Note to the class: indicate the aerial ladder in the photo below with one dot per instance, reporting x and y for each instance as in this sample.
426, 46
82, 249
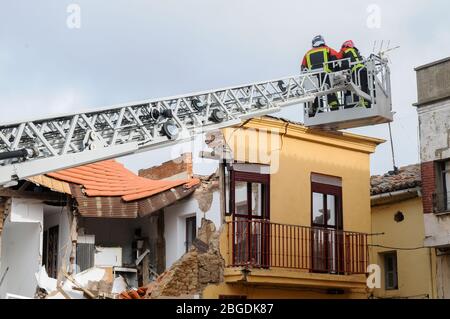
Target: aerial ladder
39, 146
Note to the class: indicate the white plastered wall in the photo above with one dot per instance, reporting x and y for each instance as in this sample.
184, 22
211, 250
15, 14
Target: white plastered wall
175, 224
21, 248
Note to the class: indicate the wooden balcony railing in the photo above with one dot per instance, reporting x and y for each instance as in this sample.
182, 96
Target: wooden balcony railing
262, 244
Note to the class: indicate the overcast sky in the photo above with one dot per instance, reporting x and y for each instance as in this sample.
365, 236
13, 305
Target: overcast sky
133, 50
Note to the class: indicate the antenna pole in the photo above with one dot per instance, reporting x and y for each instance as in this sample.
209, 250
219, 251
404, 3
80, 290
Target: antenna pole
392, 150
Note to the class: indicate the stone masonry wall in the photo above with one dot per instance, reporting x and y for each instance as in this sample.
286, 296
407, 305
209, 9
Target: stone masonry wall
201, 266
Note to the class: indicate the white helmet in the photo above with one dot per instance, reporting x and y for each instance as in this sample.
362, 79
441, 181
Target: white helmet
318, 41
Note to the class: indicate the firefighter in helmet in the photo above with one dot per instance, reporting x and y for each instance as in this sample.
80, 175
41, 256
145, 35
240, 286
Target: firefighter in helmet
321, 56
354, 61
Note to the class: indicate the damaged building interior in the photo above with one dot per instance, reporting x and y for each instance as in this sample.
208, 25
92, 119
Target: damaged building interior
99, 216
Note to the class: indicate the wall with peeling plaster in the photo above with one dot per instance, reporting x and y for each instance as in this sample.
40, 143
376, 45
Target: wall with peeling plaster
434, 125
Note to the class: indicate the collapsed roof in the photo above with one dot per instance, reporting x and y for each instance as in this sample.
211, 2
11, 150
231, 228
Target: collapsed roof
107, 189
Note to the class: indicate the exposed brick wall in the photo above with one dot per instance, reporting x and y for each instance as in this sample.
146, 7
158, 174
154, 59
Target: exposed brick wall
428, 186
180, 165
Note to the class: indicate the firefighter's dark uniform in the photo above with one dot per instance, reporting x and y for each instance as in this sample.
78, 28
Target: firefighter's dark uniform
357, 67
318, 58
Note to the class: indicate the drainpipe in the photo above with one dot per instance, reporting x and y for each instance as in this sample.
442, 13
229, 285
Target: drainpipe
433, 294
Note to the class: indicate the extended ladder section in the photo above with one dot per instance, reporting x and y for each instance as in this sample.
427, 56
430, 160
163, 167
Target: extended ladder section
40, 146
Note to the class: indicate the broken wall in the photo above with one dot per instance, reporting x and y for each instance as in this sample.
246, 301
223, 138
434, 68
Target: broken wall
179, 168
205, 203
175, 220
202, 265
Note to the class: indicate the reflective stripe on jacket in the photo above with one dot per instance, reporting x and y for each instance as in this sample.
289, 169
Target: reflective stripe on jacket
318, 58
355, 57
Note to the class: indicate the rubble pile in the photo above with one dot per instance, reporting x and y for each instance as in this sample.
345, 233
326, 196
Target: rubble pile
201, 266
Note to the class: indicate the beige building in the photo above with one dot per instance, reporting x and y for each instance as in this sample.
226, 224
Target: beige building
407, 267
297, 217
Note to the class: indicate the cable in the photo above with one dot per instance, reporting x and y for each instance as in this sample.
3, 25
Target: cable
397, 248
237, 128
376, 234
283, 135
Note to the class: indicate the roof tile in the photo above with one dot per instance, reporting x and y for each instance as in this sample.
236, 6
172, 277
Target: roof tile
406, 178
110, 178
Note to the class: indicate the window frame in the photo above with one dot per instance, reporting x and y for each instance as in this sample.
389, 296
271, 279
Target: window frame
441, 201
337, 264
445, 173
385, 256
330, 190
250, 178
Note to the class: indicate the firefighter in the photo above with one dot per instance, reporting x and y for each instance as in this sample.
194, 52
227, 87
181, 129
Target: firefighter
320, 57
359, 72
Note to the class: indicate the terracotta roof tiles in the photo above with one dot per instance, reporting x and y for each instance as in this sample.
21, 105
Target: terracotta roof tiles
110, 178
406, 178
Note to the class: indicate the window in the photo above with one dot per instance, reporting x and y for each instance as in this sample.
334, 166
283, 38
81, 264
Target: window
442, 195
250, 195
250, 208
191, 231
390, 271
52, 251
446, 184
326, 220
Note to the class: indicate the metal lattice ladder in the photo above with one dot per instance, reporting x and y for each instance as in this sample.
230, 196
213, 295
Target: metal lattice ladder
39, 146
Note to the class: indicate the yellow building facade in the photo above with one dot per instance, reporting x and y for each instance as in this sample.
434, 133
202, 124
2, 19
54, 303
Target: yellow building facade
297, 213
407, 268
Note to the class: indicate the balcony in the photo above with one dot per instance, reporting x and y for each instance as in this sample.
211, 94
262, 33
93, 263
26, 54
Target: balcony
263, 252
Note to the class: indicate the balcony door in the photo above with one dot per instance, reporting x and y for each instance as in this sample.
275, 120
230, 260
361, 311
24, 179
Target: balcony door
326, 234
249, 203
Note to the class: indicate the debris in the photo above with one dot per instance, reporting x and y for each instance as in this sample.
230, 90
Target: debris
4, 275
142, 256
40, 293
119, 285
44, 281
134, 294
13, 296
87, 292
187, 277
92, 283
